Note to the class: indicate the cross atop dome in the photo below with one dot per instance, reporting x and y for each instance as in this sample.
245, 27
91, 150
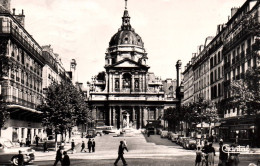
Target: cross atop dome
125, 4
126, 19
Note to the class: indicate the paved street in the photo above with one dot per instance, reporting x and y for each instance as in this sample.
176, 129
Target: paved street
142, 151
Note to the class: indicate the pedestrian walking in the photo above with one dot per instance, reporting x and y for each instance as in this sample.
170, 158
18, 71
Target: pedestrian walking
27, 143
20, 158
83, 146
72, 149
37, 140
223, 157
211, 154
205, 150
58, 156
93, 144
198, 157
45, 146
89, 145
66, 159
121, 153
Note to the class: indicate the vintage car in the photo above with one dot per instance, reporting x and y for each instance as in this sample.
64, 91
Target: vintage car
164, 134
174, 137
169, 134
190, 143
9, 152
181, 140
158, 131
108, 130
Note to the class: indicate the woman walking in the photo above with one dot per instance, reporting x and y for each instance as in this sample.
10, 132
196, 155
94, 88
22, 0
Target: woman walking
198, 157
211, 154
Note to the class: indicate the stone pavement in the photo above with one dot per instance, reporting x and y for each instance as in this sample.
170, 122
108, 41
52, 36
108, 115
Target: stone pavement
142, 150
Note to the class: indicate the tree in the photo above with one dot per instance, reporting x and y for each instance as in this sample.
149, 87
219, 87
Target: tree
5, 65
246, 92
62, 108
4, 114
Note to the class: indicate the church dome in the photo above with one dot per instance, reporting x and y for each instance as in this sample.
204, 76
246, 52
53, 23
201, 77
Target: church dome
126, 34
126, 37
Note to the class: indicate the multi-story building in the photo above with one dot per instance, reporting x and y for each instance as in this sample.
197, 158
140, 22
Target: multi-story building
188, 87
53, 70
238, 58
126, 94
22, 86
32, 68
216, 66
201, 72
222, 59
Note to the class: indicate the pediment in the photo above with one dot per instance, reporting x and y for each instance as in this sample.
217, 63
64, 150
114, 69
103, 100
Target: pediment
127, 64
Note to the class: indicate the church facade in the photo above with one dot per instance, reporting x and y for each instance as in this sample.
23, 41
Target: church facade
126, 94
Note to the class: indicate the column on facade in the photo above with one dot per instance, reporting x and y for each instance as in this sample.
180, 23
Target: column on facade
114, 115
133, 117
140, 83
156, 113
106, 81
120, 82
110, 82
140, 117
121, 117
94, 112
144, 82
110, 116
133, 82
145, 115
113, 82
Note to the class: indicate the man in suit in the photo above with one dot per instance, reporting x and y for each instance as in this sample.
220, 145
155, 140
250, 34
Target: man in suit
58, 156
83, 147
121, 153
93, 145
89, 145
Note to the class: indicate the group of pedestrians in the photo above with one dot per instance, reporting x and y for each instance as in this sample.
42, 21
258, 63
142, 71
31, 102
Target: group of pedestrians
62, 157
205, 156
91, 146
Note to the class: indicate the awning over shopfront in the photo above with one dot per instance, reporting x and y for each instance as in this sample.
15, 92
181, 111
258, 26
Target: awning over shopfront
23, 113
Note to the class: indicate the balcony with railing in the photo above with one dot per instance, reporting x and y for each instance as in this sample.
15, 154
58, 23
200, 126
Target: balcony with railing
21, 40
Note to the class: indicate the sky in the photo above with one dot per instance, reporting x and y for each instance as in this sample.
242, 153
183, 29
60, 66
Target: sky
81, 29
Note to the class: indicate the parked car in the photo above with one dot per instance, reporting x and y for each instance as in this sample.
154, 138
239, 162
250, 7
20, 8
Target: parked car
169, 134
190, 143
109, 130
9, 152
150, 130
158, 131
181, 140
174, 137
164, 134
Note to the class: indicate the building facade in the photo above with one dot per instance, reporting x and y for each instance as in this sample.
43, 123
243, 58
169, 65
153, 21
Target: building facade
21, 88
32, 68
223, 59
127, 94
238, 57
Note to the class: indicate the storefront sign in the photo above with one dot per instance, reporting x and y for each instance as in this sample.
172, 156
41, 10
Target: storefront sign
238, 149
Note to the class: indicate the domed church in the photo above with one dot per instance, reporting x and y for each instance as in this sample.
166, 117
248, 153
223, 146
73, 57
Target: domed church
126, 95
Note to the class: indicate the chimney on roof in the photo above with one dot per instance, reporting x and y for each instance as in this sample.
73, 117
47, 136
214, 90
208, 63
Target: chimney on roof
233, 11
6, 4
20, 17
